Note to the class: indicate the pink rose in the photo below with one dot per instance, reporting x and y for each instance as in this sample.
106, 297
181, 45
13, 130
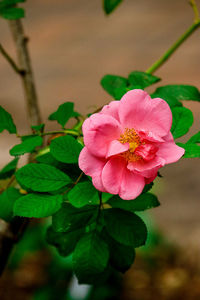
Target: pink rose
127, 142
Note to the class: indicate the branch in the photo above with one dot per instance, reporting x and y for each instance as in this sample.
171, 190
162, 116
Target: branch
20, 41
10, 61
196, 11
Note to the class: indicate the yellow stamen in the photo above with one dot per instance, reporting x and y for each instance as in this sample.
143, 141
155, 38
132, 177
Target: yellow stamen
130, 136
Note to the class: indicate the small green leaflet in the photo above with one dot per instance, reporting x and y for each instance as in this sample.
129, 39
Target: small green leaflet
90, 256
38, 128
65, 149
182, 121
9, 11
110, 5
194, 139
64, 112
7, 200
141, 79
27, 146
9, 169
125, 227
116, 86
41, 177
37, 205
82, 194
173, 94
191, 150
143, 202
69, 218
64, 242
6, 121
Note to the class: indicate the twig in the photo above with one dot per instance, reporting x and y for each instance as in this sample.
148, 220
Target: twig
196, 11
10, 61
20, 41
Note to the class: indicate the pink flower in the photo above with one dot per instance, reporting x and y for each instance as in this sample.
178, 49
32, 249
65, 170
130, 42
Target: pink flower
127, 142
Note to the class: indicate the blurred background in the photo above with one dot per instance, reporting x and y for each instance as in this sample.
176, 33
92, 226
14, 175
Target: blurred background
73, 45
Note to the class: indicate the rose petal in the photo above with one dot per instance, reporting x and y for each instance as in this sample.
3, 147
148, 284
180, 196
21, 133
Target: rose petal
116, 147
146, 168
98, 131
170, 152
93, 167
137, 110
111, 109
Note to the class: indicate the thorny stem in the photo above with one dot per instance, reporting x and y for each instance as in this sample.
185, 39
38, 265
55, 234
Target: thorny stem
179, 42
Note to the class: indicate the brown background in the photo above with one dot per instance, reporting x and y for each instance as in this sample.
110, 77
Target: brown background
73, 44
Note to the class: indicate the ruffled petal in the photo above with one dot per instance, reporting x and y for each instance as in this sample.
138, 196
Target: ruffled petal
146, 168
93, 167
170, 152
98, 131
116, 147
112, 174
131, 185
111, 109
137, 110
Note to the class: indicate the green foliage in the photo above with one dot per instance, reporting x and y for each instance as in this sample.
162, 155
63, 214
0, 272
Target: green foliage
191, 150
69, 218
110, 5
7, 200
182, 121
148, 187
82, 194
194, 139
125, 227
9, 169
6, 121
64, 242
121, 256
38, 128
142, 202
142, 79
172, 94
117, 86
41, 178
90, 257
64, 112
9, 11
37, 205
65, 149
27, 146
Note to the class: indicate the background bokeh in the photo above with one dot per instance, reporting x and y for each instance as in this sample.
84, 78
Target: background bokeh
73, 44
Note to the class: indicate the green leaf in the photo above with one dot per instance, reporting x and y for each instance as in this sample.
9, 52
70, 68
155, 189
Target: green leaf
37, 205
182, 121
191, 150
69, 218
41, 177
64, 112
142, 79
6, 121
110, 5
82, 194
125, 227
38, 128
7, 200
65, 149
122, 257
147, 187
64, 242
27, 146
9, 169
143, 202
173, 93
114, 84
90, 256
12, 13
194, 139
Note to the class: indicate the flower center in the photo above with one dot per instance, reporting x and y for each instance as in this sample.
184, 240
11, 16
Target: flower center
130, 136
